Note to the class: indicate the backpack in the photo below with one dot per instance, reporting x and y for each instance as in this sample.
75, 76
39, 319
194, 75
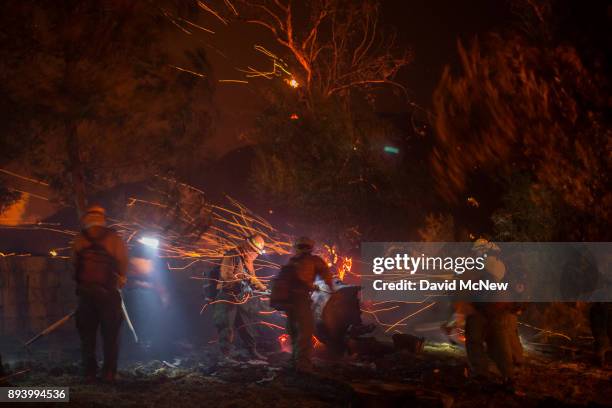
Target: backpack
211, 279
281, 285
95, 265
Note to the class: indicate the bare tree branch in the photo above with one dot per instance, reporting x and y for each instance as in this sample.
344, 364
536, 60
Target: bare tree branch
338, 45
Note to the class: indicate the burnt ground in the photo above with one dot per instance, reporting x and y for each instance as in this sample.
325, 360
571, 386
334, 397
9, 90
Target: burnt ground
436, 377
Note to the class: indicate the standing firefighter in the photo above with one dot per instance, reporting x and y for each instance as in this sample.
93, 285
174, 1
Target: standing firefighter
101, 260
232, 311
303, 268
491, 327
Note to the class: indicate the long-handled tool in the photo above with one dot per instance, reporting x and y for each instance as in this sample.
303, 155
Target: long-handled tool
127, 320
51, 328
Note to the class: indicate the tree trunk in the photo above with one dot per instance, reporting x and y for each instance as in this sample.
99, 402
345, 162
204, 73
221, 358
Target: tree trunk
76, 169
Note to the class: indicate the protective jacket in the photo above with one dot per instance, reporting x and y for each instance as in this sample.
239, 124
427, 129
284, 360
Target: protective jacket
307, 267
234, 270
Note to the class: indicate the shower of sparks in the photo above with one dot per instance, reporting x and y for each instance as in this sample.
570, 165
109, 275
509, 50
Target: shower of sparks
279, 67
194, 250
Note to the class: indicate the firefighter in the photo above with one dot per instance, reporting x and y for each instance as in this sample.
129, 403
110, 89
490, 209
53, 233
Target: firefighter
491, 327
300, 318
146, 298
100, 261
232, 311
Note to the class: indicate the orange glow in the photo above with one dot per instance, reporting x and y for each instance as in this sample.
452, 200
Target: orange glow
293, 83
285, 343
345, 267
294, 116
343, 264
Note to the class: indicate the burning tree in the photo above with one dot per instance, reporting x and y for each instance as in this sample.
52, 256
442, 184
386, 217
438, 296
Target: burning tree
338, 45
93, 95
530, 105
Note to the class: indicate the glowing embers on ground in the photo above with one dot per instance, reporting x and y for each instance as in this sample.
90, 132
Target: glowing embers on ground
284, 340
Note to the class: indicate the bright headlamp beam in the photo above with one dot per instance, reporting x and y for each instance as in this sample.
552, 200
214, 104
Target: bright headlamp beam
150, 242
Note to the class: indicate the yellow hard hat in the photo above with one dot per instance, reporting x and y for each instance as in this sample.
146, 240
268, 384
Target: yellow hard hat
256, 243
482, 244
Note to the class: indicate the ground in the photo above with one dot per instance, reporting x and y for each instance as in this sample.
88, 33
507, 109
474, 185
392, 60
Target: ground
436, 377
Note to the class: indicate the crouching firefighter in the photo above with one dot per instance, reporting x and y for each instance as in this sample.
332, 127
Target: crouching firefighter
232, 311
291, 293
100, 260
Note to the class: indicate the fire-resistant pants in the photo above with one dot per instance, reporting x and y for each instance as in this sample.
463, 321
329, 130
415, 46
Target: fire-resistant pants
99, 308
300, 326
475, 333
230, 315
499, 333
500, 338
